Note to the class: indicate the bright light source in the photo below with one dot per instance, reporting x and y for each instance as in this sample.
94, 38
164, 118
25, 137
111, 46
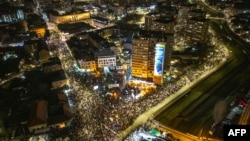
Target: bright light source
95, 87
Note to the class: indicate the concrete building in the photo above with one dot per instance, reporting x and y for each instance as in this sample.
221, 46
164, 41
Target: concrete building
36, 24
38, 115
11, 14
197, 29
87, 63
58, 79
142, 57
43, 115
165, 24
143, 53
69, 17
100, 22
105, 58
52, 65
157, 21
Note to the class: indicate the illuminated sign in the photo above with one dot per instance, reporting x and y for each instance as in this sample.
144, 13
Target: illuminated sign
159, 59
159, 62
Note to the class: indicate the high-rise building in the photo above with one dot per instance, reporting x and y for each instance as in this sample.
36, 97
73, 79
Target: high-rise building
169, 48
161, 21
143, 56
196, 29
197, 26
166, 25
143, 53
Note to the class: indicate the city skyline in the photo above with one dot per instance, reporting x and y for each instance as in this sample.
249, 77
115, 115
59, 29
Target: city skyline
84, 70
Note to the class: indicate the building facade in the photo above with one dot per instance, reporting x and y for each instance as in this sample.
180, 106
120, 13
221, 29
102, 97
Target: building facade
88, 65
143, 57
144, 51
73, 17
106, 61
156, 22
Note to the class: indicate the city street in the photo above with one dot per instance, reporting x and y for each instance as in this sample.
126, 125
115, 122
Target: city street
117, 120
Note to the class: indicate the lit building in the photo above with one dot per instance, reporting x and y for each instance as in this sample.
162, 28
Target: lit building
106, 58
100, 22
149, 18
88, 64
196, 26
9, 14
143, 53
158, 22
197, 29
191, 25
70, 17
11, 42
37, 25
39, 30
109, 31
165, 25
92, 52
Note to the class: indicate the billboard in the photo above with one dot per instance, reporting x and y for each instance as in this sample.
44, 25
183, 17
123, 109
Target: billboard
159, 63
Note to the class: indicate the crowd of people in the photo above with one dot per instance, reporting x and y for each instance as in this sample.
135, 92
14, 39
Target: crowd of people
99, 118
150, 130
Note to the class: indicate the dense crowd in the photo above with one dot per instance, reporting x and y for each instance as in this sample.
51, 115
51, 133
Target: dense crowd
101, 118
98, 118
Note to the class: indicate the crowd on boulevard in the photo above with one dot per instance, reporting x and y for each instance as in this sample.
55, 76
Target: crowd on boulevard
101, 118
